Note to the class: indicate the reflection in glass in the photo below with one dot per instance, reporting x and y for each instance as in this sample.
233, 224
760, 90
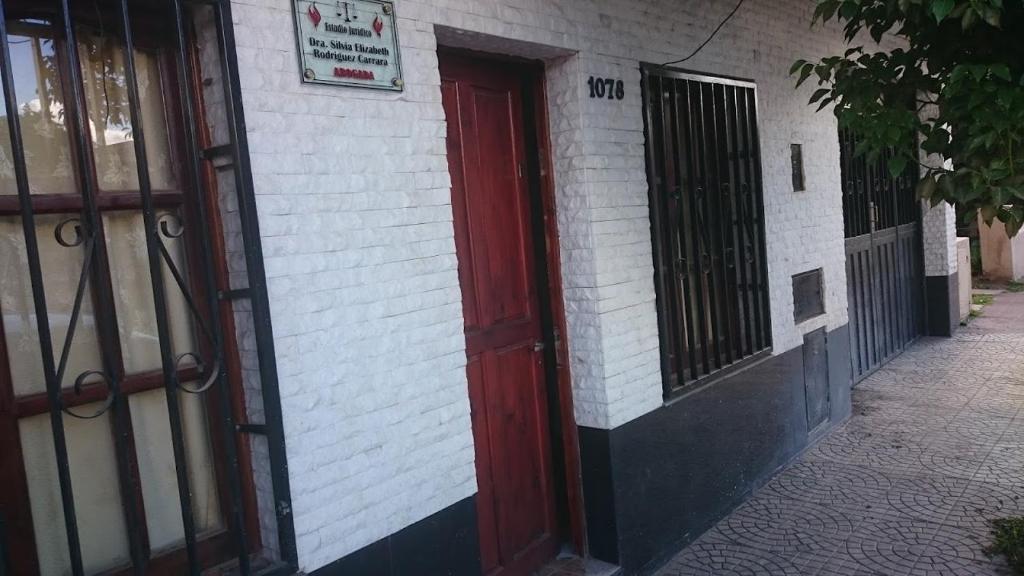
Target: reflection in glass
37, 89
106, 95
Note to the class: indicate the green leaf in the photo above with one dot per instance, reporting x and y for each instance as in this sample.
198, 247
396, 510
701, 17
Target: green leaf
941, 9
926, 187
796, 66
818, 95
945, 183
970, 17
1013, 226
988, 214
805, 72
896, 165
991, 16
848, 10
1001, 71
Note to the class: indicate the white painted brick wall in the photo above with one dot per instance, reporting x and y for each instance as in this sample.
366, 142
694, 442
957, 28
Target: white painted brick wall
353, 195
938, 231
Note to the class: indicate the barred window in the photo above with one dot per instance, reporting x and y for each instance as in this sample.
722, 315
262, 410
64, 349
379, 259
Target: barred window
707, 222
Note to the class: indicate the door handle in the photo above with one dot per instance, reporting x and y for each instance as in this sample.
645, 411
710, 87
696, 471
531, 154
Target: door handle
538, 345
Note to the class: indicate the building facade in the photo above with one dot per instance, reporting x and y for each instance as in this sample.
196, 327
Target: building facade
545, 288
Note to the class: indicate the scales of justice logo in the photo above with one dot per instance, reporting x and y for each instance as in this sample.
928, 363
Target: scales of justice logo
342, 11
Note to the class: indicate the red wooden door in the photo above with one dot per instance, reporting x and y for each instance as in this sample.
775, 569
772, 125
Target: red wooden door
494, 243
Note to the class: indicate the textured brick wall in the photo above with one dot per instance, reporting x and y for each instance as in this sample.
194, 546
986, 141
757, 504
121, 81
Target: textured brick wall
353, 195
939, 237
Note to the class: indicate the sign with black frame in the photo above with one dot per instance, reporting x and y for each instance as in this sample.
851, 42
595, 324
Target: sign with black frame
348, 43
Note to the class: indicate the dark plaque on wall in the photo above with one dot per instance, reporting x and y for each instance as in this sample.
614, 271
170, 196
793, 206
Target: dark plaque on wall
808, 296
352, 43
796, 156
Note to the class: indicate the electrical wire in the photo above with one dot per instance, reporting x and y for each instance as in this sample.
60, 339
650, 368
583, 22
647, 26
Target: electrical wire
710, 38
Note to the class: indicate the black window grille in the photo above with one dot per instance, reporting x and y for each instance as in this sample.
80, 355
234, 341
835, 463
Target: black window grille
105, 170
707, 222
873, 199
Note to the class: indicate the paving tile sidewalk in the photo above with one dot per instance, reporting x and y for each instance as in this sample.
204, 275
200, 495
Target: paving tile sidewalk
933, 451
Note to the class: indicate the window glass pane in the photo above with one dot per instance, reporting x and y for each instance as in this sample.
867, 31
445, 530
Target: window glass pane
106, 95
61, 268
133, 291
91, 455
41, 111
157, 471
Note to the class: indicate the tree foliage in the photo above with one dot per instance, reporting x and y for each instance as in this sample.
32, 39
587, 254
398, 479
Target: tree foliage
953, 79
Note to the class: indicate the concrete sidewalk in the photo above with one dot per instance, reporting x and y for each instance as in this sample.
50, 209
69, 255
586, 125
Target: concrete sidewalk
933, 451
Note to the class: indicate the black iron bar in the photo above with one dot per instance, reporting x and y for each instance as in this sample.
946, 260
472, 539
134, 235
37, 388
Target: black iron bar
107, 323
53, 386
738, 211
846, 184
660, 191
658, 188
235, 294
689, 263
257, 282
186, 73
708, 220
749, 199
675, 261
179, 279
219, 151
153, 247
724, 224
863, 279
250, 428
844, 170
760, 228
693, 203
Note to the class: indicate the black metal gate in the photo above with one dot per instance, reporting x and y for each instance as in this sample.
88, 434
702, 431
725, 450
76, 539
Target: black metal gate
883, 258
70, 220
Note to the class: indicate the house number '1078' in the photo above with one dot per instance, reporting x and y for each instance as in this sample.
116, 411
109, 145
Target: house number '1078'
609, 88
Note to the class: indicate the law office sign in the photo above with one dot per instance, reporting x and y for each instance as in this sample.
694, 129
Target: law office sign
351, 43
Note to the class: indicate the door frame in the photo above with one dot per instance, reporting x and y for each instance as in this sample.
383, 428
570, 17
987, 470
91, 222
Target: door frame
564, 438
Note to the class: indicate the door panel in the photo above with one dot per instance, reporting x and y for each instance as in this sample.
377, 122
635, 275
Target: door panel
883, 258
518, 432
506, 372
816, 378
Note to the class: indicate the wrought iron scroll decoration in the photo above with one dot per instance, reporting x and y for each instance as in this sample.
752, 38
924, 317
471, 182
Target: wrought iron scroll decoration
89, 243
170, 226
177, 231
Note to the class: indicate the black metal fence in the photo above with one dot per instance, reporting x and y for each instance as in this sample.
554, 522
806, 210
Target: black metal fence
200, 371
883, 257
707, 221
873, 199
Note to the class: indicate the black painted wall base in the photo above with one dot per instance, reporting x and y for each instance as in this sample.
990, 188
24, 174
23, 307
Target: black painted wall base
942, 296
443, 544
656, 483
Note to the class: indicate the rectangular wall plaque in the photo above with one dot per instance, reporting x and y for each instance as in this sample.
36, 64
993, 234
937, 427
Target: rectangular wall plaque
353, 43
808, 296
